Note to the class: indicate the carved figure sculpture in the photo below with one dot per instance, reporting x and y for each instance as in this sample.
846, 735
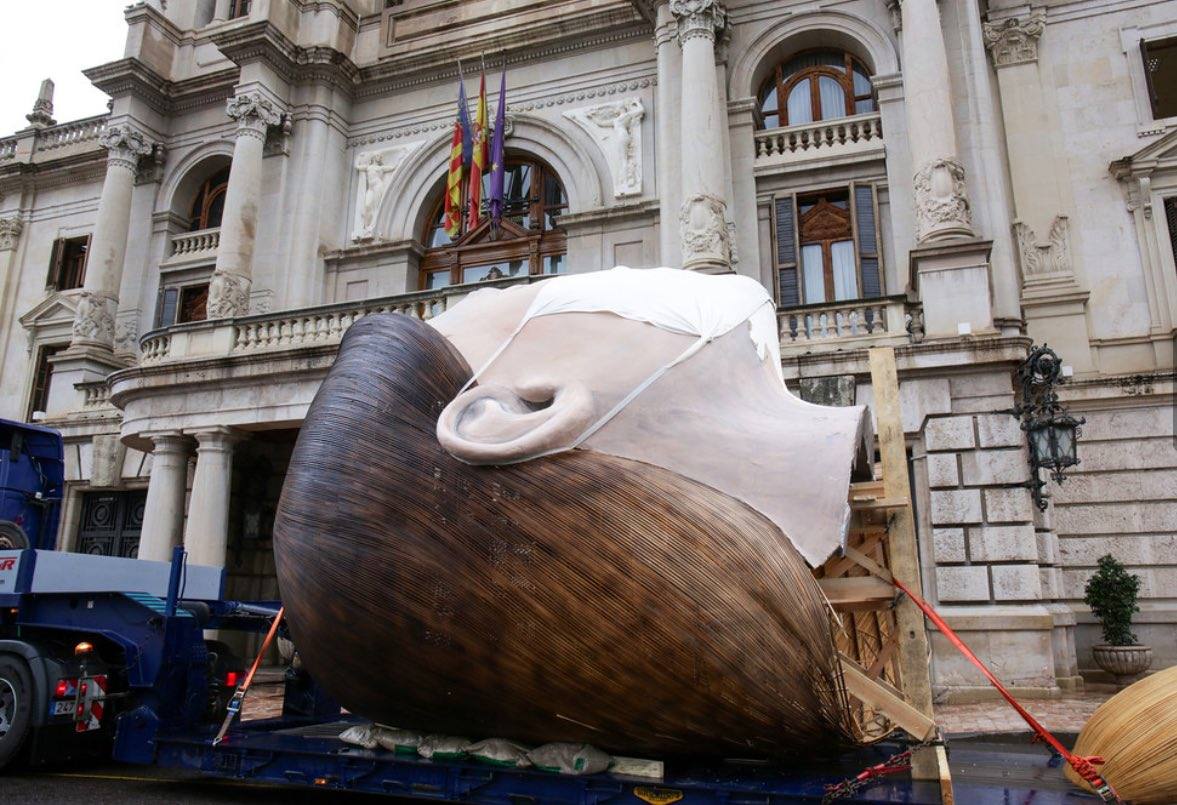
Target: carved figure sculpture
600, 535
616, 128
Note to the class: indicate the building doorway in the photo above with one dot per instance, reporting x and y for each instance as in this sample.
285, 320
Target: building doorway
111, 523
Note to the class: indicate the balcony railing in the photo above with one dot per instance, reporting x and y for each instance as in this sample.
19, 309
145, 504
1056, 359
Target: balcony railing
848, 136
846, 324
55, 142
76, 131
198, 245
295, 329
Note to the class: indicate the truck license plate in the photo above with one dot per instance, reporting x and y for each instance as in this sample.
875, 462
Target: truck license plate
63, 708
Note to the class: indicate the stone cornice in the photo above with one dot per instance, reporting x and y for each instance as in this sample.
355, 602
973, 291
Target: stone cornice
261, 41
132, 77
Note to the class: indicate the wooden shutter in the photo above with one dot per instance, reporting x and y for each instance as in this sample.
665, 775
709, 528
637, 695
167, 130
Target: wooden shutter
785, 232
1152, 92
56, 260
85, 262
866, 239
165, 309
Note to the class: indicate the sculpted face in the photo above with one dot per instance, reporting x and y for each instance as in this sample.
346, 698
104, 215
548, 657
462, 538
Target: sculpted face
441, 573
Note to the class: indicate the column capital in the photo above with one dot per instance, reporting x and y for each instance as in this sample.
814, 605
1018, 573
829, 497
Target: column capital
698, 18
124, 145
10, 228
1014, 40
215, 437
169, 442
254, 114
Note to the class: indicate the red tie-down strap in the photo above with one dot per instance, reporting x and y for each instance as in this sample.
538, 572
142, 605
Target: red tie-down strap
1083, 766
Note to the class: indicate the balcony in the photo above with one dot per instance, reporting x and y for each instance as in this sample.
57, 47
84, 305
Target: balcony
296, 329
193, 247
72, 139
847, 139
853, 324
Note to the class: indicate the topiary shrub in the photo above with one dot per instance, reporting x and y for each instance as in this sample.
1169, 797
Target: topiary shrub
1111, 593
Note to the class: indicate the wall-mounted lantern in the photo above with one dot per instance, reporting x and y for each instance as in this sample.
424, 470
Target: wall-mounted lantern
1053, 434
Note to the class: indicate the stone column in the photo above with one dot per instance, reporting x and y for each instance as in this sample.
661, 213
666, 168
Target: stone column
221, 10
705, 240
668, 139
229, 291
942, 207
98, 301
206, 535
163, 514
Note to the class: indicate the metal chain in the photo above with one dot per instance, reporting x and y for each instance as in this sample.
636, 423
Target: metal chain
897, 762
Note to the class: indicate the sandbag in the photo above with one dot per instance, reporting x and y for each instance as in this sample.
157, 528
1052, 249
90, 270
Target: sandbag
404, 742
443, 747
499, 752
365, 736
567, 758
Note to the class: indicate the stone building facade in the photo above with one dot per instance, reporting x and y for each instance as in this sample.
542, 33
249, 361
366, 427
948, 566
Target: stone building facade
957, 180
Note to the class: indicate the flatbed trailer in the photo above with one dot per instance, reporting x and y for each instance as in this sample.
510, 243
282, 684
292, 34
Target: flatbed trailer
108, 655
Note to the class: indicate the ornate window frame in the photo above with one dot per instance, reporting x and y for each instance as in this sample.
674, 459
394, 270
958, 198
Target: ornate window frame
1130, 44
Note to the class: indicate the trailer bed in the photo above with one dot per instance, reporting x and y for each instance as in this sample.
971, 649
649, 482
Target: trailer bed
276, 751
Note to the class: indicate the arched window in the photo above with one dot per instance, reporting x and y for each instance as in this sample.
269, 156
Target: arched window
814, 85
530, 240
209, 203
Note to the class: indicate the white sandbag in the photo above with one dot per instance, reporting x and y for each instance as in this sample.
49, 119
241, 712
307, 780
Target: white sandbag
362, 735
404, 742
567, 758
499, 752
443, 747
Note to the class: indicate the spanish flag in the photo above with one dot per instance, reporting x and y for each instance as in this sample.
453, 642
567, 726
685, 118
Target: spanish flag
453, 180
480, 159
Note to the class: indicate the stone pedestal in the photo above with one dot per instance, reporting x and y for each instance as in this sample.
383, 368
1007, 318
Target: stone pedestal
163, 514
78, 364
207, 532
953, 283
97, 304
228, 293
704, 236
942, 207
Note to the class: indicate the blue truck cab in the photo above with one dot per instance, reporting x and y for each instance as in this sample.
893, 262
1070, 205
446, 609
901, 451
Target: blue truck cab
32, 474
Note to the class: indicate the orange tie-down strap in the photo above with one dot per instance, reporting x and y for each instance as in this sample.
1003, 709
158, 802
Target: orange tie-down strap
1084, 766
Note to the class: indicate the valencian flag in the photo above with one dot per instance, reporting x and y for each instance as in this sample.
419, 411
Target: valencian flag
480, 158
453, 181
498, 161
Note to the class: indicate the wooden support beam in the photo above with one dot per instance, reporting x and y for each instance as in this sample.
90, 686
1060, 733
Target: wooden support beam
901, 548
857, 592
883, 698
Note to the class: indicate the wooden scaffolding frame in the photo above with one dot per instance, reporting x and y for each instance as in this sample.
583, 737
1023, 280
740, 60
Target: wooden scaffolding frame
881, 635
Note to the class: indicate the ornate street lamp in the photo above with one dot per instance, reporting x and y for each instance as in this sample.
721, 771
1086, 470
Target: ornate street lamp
1052, 432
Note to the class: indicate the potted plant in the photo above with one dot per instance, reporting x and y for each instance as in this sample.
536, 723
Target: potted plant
1111, 593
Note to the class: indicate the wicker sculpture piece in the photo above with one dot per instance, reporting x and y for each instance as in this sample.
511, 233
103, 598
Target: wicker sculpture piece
580, 596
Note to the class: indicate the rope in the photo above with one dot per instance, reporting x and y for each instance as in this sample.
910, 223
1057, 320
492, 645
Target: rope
1083, 766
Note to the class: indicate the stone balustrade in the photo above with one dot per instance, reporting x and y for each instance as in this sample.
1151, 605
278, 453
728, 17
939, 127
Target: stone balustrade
880, 320
76, 131
295, 329
7, 149
195, 245
827, 139
95, 394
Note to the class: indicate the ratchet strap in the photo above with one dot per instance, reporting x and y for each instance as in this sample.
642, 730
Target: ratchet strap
234, 706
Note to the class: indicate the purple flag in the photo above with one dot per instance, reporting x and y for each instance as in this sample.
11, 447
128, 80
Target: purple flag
498, 160
464, 122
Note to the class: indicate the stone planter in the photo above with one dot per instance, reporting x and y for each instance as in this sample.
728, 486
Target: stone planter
1123, 662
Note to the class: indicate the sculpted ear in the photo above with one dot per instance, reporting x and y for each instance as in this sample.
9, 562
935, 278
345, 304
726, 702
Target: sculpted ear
494, 424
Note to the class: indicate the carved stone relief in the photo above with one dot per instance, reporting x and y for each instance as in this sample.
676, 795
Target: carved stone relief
698, 18
375, 171
125, 145
616, 128
704, 231
940, 198
228, 295
94, 318
1014, 41
126, 333
1053, 256
10, 229
253, 112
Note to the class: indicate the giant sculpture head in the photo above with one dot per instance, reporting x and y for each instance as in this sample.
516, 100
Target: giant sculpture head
577, 510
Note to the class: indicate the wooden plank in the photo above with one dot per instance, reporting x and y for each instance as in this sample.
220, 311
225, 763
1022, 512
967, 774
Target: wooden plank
883, 657
864, 561
857, 590
947, 796
888, 503
904, 561
888, 701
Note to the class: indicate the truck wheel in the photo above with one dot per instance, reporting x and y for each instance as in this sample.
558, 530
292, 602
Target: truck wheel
12, 536
16, 705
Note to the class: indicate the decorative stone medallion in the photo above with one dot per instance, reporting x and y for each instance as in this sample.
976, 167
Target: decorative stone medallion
703, 228
941, 203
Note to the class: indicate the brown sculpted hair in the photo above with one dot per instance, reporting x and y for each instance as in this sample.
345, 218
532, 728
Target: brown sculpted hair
579, 597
